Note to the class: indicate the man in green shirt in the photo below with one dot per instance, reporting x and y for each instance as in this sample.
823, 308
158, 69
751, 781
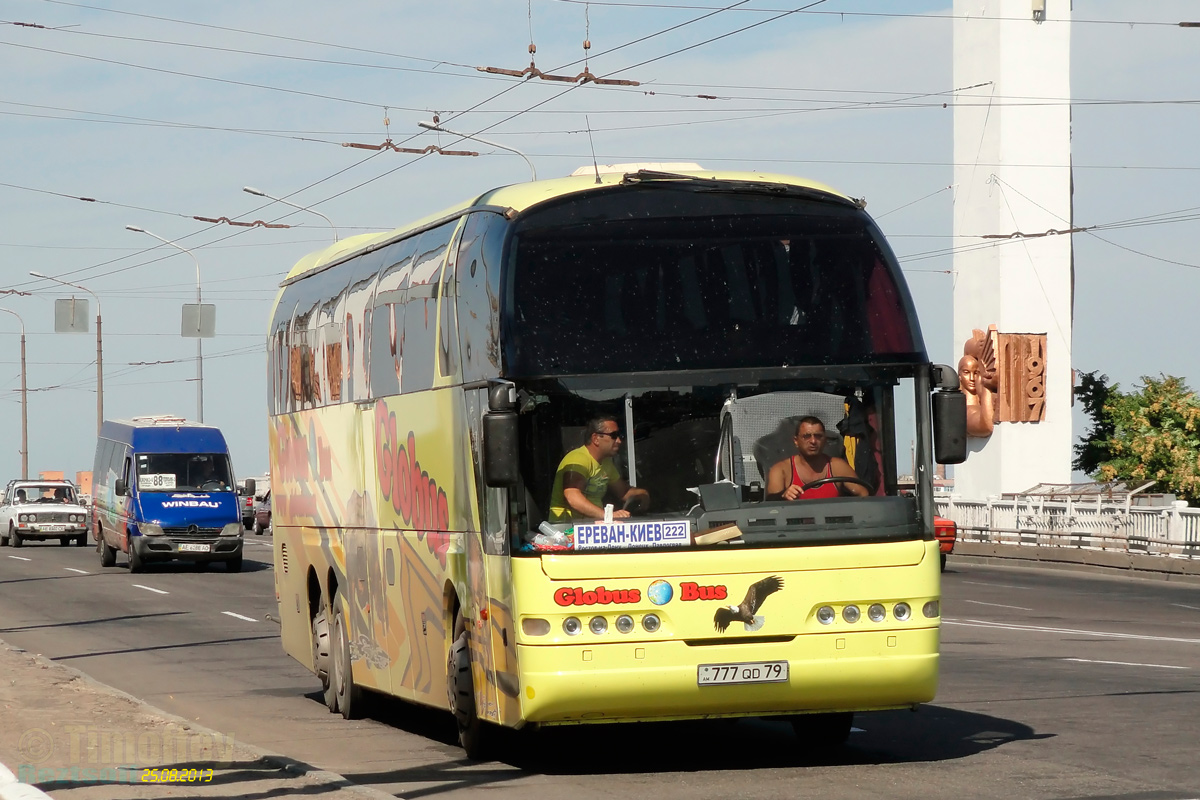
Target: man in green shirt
586, 475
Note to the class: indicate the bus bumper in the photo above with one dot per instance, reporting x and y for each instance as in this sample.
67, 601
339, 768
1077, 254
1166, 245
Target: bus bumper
626, 682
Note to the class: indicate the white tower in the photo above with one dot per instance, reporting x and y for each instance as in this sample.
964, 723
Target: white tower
1012, 155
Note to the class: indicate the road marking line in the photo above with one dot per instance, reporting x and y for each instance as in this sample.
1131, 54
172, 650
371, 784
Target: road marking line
1190, 608
21, 558
149, 589
1001, 585
80, 571
979, 623
1124, 663
997, 605
238, 616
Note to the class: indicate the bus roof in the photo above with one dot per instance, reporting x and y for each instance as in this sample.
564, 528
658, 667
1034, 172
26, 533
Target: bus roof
522, 196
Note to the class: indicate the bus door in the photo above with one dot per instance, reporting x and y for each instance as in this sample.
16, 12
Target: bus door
489, 573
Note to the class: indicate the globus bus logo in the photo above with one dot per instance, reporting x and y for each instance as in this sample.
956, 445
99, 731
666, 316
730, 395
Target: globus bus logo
576, 596
690, 590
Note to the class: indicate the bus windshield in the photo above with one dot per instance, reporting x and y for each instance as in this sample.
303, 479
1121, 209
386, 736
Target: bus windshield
671, 279
704, 453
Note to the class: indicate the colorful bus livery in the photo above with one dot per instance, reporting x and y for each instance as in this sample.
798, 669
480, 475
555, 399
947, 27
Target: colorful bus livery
164, 490
425, 384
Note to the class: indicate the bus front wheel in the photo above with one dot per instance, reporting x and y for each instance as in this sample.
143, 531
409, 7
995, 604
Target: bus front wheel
474, 734
821, 731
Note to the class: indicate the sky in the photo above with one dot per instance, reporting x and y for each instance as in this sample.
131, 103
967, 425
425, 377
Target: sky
160, 112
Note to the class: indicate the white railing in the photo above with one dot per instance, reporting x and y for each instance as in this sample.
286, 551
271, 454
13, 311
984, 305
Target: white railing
1172, 530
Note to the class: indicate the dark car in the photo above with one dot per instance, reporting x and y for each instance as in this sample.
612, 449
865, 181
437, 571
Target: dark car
262, 514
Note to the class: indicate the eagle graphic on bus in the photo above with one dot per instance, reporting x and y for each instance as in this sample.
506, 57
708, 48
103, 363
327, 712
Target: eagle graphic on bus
745, 611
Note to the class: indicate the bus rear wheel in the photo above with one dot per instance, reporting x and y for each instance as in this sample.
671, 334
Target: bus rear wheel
323, 657
349, 696
475, 735
823, 731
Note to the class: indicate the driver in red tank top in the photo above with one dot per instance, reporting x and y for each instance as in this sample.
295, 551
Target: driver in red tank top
790, 479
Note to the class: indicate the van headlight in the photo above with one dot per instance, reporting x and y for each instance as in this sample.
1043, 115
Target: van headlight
232, 529
150, 529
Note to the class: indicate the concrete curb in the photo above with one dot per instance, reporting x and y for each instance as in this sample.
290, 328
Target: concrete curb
282, 762
1146, 567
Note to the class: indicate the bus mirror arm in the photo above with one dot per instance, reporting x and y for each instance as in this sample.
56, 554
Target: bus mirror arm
501, 455
502, 396
943, 376
949, 427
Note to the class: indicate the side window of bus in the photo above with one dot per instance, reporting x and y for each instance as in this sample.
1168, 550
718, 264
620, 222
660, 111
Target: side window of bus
387, 319
478, 281
357, 355
420, 310
447, 348
127, 470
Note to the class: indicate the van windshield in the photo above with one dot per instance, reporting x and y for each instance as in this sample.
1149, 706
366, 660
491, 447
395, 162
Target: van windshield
188, 472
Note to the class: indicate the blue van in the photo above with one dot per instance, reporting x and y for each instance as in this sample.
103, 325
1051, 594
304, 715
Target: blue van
163, 489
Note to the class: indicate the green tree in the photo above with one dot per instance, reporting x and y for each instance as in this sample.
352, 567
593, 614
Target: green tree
1155, 436
1092, 450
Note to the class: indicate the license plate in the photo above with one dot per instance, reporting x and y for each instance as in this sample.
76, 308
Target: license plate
52, 528
749, 672
193, 548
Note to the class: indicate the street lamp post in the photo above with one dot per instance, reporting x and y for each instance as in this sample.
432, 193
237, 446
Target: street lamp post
24, 402
99, 347
261, 193
433, 126
199, 341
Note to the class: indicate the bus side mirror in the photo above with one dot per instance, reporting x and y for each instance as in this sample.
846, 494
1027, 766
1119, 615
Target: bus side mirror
501, 456
250, 487
121, 488
949, 427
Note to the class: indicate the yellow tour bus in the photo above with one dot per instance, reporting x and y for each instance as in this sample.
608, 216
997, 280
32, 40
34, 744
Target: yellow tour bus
613, 447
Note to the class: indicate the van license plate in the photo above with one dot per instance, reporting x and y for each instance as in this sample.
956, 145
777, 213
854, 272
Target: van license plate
193, 548
750, 672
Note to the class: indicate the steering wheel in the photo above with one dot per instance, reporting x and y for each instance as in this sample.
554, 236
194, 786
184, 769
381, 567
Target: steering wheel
838, 479
636, 504
212, 485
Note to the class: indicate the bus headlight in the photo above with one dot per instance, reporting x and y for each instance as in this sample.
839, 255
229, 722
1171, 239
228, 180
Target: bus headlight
598, 625
851, 614
651, 623
572, 626
150, 529
232, 529
826, 615
931, 609
624, 623
901, 611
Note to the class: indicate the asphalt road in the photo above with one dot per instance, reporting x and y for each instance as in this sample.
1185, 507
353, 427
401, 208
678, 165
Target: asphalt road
1054, 685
